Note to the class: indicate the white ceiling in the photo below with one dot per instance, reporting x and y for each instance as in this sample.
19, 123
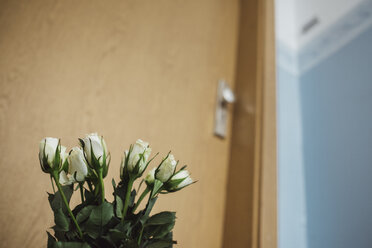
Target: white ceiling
292, 15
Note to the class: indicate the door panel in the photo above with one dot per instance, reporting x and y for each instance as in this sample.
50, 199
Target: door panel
128, 70
268, 178
253, 142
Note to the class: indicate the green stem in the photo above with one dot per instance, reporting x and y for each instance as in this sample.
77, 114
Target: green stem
51, 180
140, 236
102, 186
127, 197
143, 227
55, 176
144, 193
90, 186
81, 192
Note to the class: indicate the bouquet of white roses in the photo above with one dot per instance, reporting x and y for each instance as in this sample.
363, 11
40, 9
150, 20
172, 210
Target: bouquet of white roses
95, 222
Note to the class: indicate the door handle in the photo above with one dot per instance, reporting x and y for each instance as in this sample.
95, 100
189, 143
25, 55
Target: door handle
224, 96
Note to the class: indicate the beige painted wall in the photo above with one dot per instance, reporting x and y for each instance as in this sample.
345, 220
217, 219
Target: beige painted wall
126, 69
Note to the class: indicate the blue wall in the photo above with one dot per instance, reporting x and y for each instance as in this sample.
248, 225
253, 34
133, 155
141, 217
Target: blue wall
291, 193
336, 102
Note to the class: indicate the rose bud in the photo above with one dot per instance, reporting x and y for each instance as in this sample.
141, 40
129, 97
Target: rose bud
166, 168
136, 158
95, 150
150, 178
65, 179
52, 155
180, 180
77, 164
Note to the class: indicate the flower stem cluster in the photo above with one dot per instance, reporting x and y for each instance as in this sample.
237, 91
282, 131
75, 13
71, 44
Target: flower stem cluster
160, 179
96, 222
86, 163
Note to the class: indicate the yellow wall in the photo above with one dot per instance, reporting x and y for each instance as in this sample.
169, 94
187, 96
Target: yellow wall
128, 70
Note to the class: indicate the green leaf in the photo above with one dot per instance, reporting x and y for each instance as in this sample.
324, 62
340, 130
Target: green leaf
118, 207
72, 235
132, 198
129, 244
65, 165
51, 241
148, 209
55, 200
160, 244
60, 235
172, 184
89, 196
116, 235
71, 245
57, 157
105, 241
99, 216
102, 214
122, 227
156, 188
120, 190
62, 222
120, 232
158, 231
162, 218
160, 225
163, 230
84, 214
92, 230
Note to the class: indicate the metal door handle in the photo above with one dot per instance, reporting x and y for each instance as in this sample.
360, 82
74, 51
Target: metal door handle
227, 94
224, 96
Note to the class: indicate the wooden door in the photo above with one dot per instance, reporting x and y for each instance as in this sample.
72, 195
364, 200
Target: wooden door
251, 219
128, 70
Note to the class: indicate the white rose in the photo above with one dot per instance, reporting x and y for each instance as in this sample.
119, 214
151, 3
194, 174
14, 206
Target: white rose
64, 154
139, 148
166, 169
150, 178
98, 144
183, 174
47, 153
65, 179
77, 164
48, 147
